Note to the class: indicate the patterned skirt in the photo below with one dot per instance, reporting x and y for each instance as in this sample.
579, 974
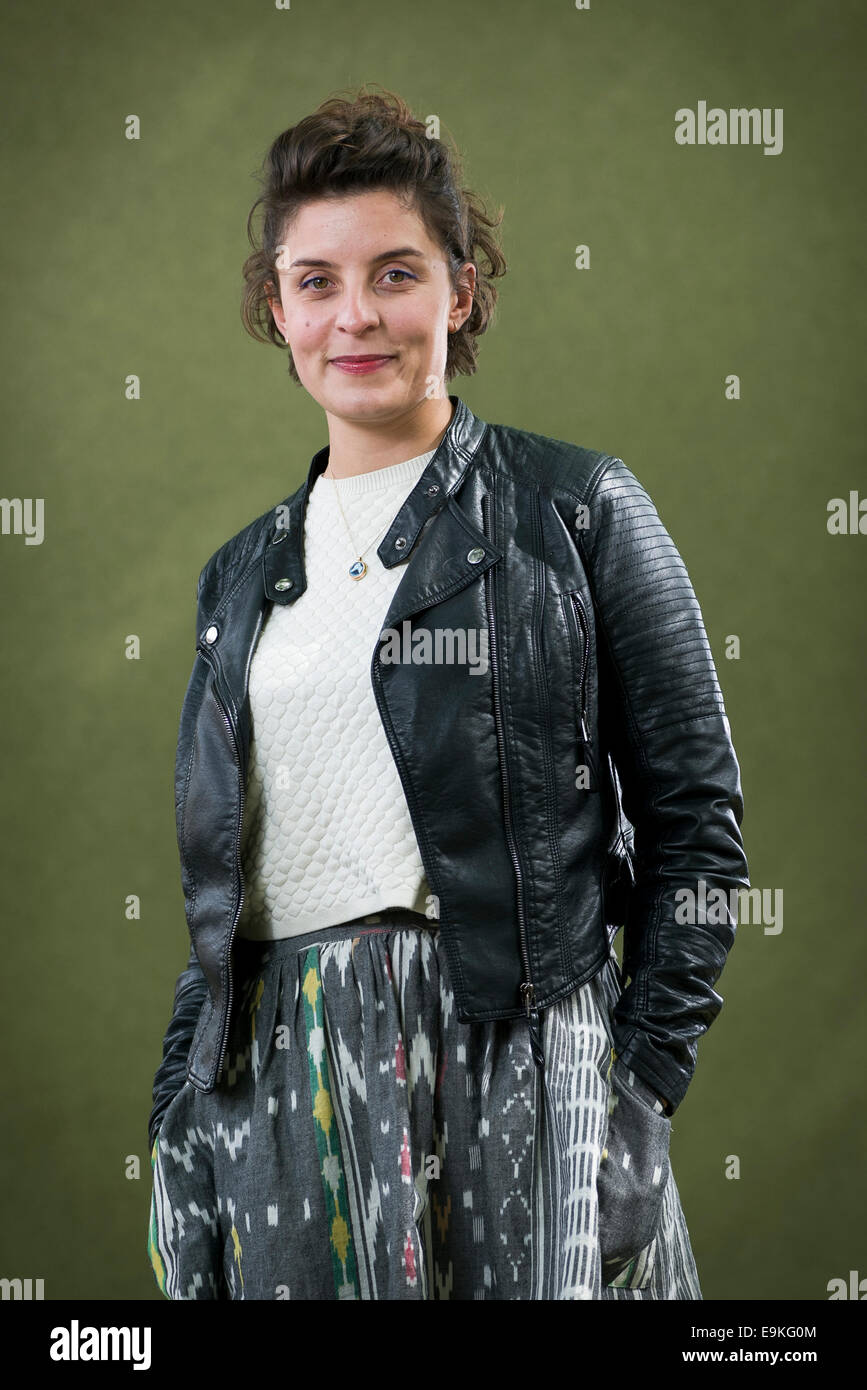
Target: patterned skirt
362, 1143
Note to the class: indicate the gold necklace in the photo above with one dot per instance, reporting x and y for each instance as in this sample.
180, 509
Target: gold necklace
358, 569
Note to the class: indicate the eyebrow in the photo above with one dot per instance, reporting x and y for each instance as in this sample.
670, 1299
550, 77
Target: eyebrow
401, 252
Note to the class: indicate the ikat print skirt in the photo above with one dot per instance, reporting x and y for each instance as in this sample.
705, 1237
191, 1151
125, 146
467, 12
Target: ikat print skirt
362, 1143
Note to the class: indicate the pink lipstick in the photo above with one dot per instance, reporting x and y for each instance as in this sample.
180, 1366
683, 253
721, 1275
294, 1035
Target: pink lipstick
359, 366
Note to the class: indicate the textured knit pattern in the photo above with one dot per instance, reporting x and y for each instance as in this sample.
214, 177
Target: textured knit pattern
327, 832
363, 1144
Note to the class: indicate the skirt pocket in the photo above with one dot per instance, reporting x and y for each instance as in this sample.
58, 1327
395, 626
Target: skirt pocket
631, 1182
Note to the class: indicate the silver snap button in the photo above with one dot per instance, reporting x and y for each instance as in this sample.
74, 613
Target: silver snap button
283, 584
475, 555
280, 536
211, 635
400, 543
433, 489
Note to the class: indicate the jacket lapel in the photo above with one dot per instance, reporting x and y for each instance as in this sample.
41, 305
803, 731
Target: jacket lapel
451, 553
446, 551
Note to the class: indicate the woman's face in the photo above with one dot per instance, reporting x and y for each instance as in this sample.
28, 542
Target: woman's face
360, 277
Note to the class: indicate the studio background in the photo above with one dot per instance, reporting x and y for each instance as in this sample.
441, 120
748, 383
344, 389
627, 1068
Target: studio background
123, 257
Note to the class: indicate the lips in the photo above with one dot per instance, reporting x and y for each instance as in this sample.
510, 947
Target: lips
363, 365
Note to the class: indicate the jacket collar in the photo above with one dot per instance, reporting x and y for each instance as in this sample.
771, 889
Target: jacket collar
283, 558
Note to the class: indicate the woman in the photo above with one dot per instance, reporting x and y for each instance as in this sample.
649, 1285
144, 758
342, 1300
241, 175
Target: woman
403, 1062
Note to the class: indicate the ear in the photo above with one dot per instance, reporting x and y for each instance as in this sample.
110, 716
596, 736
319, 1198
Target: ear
463, 306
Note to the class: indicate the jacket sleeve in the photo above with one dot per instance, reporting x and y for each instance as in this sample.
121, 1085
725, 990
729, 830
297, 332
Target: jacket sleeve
191, 991
662, 716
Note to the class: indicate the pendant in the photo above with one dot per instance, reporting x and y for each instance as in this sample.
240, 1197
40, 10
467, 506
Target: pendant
358, 570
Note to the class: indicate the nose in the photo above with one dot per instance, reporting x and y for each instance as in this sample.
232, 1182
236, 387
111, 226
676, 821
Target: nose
356, 309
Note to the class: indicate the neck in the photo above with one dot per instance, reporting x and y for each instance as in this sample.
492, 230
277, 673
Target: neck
358, 447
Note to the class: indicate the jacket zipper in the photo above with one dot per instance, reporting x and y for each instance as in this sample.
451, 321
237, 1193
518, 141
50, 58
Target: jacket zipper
527, 988
581, 615
238, 866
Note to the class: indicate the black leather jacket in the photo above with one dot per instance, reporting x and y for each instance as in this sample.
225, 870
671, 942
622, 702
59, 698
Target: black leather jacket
597, 659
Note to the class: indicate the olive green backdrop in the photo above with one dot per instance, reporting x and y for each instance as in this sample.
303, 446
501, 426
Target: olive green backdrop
123, 257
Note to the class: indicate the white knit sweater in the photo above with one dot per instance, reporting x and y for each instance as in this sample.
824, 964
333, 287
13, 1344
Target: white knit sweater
327, 832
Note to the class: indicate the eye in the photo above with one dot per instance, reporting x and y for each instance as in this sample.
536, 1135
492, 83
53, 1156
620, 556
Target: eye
324, 278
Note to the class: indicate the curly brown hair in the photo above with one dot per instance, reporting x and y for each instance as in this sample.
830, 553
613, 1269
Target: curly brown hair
372, 141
